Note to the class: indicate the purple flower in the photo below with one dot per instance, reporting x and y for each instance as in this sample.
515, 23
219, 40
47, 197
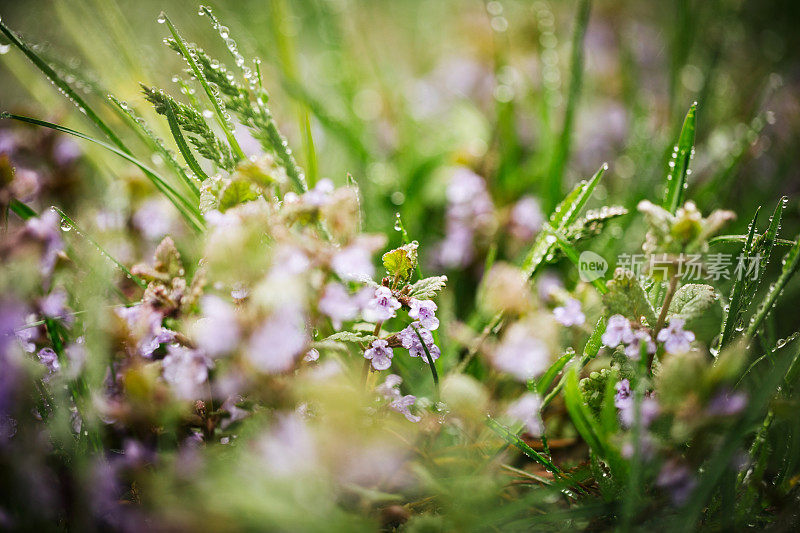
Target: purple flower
65, 151
47, 229
526, 410
521, 354
526, 218
624, 401
289, 448
337, 304
186, 370
456, 250
403, 405
217, 332
423, 310
570, 313
278, 343
320, 194
154, 219
49, 359
144, 323
634, 349
623, 394
381, 307
410, 341
618, 330
675, 339
390, 390
353, 263
676, 478
380, 353
727, 403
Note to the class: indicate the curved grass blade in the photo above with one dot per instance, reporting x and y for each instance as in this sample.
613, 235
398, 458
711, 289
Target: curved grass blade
572, 255
65, 219
183, 147
791, 263
542, 384
62, 85
736, 304
431, 363
221, 119
742, 239
562, 217
152, 141
190, 212
679, 162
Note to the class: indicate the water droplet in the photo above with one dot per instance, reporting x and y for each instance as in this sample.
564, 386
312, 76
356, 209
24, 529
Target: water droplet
65, 226
4, 48
224, 32
162, 18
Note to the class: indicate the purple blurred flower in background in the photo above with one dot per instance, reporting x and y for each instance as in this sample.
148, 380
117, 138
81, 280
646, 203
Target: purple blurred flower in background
526, 410
618, 330
676, 478
521, 354
675, 338
570, 314
727, 403
185, 370
353, 263
338, 304
217, 332
277, 344
526, 218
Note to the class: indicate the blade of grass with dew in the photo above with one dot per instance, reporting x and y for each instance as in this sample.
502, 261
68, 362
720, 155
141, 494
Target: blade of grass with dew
742, 239
736, 303
220, 115
561, 153
679, 162
562, 216
189, 211
61, 84
759, 254
543, 383
791, 263
152, 141
431, 363
66, 219
720, 461
572, 255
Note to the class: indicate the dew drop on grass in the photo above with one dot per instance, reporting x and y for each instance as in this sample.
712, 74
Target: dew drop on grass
162, 18
4, 48
398, 225
65, 226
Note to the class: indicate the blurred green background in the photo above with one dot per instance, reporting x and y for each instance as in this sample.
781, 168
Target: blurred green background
397, 92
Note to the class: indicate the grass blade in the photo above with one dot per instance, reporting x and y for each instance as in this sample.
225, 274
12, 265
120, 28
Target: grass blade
572, 255
791, 263
679, 163
190, 212
62, 85
221, 117
183, 147
562, 217
737, 304
23, 211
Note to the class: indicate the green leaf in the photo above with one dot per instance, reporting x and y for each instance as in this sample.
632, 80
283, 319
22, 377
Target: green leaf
237, 192
183, 147
626, 297
572, 255
593, 223
679, 163
401, 262
699, 305
22, 210
426, 289
562, 217
544, 382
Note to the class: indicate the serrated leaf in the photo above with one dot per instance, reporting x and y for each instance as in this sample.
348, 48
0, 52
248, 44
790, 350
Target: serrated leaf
626, 297
426, 289
679, 163
350, 336
698, 304
562, 217
593, 223
401, 262
237, 192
